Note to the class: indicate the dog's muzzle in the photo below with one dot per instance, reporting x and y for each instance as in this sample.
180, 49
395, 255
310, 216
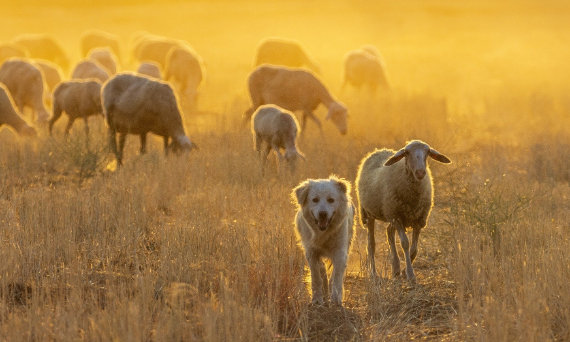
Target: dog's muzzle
323, 220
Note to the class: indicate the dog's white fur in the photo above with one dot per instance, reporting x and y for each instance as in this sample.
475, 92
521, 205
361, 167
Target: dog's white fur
324, 223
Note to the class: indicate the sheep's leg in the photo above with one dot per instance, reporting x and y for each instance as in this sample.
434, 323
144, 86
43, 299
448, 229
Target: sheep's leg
390, 231
69, 124
371, 248
264, 155
143, 143
113, 141
406, 248
122, 138
165, 140
317, 268
415, 238
86, 121
311, 116
56, 114
337, 277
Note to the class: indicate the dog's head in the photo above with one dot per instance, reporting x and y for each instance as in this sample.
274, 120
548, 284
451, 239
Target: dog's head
323, 201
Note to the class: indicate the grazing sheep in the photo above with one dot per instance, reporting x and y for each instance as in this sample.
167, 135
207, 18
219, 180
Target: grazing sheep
364, 67
138, 105
9, 50
105, 57
26, 85
398, 192
184, 70
78, 99
10, 117
99, 39
293, 89
278, 128
89, 69
285, 52
150, 69
324, 224
43, 46
154, 49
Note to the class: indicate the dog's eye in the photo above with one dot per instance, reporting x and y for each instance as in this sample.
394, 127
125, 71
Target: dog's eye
316, 200
330, 200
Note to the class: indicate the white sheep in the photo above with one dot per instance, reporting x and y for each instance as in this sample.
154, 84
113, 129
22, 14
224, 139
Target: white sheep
364, 67
294, 89
105, 57
398, 192
9, 116
279, 51
135, 104
87, 69
78, 99
97, 39
150, 69
277, 128
184, 70
43, 46
26, 85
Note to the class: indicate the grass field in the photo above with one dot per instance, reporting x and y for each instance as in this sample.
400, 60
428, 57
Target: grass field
203, 248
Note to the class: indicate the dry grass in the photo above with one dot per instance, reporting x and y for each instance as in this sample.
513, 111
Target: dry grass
201, 248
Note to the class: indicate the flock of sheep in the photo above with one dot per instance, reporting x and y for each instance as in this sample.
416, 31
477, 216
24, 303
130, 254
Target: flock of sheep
395, 187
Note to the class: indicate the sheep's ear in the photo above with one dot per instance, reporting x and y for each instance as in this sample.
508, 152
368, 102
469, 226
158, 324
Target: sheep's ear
301, 192
396, 157
438, 156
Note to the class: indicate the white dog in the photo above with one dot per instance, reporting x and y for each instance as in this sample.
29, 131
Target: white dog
324, 225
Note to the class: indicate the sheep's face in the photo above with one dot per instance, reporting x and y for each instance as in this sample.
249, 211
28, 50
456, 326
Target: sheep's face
338, 114
415, 154
180, 145
291, 156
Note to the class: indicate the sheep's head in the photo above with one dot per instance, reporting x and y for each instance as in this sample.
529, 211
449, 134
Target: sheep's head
416, 153
181, 144
338, 114
291, 156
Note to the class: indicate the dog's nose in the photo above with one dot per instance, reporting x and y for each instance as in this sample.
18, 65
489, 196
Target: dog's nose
323, 215
420, 174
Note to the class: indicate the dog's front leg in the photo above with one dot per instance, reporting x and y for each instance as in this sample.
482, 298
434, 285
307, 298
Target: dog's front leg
339, 261
317, 268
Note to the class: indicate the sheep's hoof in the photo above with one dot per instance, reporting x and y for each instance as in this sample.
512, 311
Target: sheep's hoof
317, 301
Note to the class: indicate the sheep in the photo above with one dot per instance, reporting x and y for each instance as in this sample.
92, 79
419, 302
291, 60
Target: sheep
278, 128
398, 192
138, 105
10, 117
105, 57
89, 69
364, 67
78, 99
9, 50
43, 46
52, 74
154, 49
284, 52
26, 85
293, 89
149, 69
184, 70
99, 39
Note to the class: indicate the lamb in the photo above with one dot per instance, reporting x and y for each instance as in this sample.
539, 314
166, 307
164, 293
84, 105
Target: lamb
278, 128
26, 85
78, 99
149, 69
293, 89
364, 67
397, 192
284, 52
138, 105
99, 39
105, 57
43, 46
10, 117
89, 69
184, 70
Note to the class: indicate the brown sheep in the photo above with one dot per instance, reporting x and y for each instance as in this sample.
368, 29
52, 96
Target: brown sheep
78, 99
285, 52
10, 117
26, 85
135, 104
89, 69
105, 57
43, 46
294, 89
184, 70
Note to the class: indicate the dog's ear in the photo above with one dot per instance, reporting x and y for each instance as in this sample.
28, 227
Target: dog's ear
341, 184
301, 192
